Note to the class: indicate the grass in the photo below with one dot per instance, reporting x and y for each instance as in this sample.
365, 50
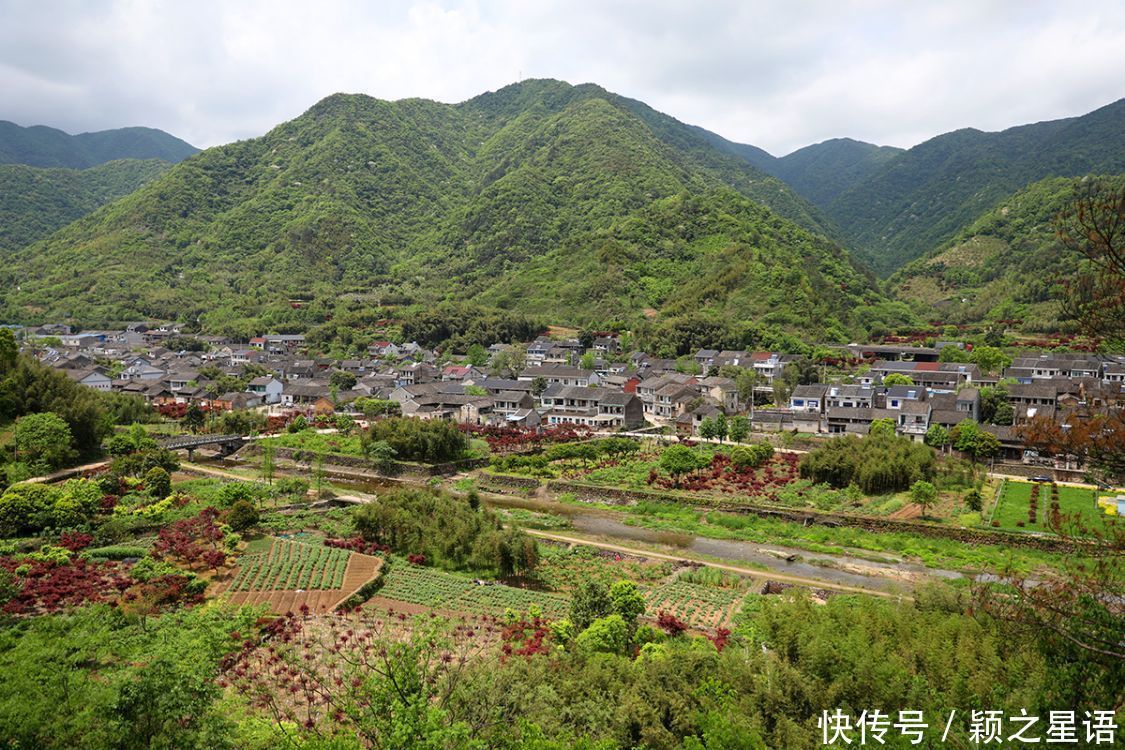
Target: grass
1013, 506
932, 552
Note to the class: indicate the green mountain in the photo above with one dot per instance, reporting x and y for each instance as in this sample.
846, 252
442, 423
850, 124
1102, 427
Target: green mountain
819, 172
41, 146
1005, 266
823, 171
565, 201
922, 197
36, 201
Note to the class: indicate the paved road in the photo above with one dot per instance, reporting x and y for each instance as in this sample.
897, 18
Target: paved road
766, 575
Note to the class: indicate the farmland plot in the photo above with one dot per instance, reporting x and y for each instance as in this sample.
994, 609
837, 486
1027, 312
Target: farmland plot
436, 589
292, 574
699, 606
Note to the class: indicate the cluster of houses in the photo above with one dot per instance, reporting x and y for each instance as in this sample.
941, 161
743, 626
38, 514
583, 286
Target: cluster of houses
615, 390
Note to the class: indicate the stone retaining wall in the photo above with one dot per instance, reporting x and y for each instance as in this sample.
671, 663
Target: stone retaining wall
396, 468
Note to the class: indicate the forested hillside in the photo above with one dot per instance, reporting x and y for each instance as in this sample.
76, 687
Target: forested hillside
41, 146
563, 201
823, 171
921, 198
36, 201
1007, 265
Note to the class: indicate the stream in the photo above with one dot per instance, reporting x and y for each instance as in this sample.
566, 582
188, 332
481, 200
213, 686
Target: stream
608, 526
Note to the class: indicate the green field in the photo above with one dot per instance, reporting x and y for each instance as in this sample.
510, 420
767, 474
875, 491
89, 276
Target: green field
1012, 509
435, 588
291, 565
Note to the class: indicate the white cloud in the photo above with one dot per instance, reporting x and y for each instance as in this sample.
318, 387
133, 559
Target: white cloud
778, 75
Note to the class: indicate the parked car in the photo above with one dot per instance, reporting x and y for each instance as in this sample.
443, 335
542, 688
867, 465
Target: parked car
1041, 478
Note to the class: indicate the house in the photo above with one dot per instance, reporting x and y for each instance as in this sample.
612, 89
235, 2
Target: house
849, 397
561, 375
269, 388
808, 398
723, 391
91, 378
595, 407
461, 373
510, 402
236, 400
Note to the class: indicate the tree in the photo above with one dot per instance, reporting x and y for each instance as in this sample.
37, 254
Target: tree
193, 417
589, 602
9, 350
990, 359
897, 378
606, 635
242, 516
342, 380
739, 428
707, 429
538, 385
477, 356
678, 460
721, 426
158, 483
968, 437
1094, 226
268, 463
627, 601
587, 361
937, 437
745, 382
43, 440
923, 493
510, 362
883, 426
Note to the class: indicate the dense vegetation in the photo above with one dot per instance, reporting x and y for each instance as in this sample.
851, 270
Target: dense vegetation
923, 196
35, 201
823, 171
542, 198
424, 440
40, 146
29, 389
439, 529
877, 463
1007, 265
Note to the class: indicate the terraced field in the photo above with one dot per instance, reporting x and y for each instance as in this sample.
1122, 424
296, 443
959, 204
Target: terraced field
436, 589
292, 574
699, 606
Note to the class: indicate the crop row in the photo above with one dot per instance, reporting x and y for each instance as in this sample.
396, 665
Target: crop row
435, 588
292, 565
694, 604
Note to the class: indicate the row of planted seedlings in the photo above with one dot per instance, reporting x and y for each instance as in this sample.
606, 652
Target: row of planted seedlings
292, 565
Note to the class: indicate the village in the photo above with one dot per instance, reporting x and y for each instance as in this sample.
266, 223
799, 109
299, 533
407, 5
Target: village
709, 394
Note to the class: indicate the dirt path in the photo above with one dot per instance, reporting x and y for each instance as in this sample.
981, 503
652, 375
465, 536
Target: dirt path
190, 468
766, 575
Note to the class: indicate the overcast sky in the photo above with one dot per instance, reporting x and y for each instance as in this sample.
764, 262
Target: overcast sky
779, 75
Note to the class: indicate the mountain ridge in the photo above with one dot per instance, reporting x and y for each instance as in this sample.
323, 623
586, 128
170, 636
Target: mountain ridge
424, 202
44, 146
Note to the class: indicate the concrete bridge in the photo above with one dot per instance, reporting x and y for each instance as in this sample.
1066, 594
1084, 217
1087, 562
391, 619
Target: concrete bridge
225, 444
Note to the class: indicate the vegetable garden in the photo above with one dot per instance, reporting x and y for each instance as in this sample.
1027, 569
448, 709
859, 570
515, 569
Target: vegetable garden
434, 588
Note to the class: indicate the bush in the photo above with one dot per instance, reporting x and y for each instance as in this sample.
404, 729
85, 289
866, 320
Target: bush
121, 552
158, 483
752, 455
242, 515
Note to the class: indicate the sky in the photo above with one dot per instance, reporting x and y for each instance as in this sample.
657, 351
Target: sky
779, 75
